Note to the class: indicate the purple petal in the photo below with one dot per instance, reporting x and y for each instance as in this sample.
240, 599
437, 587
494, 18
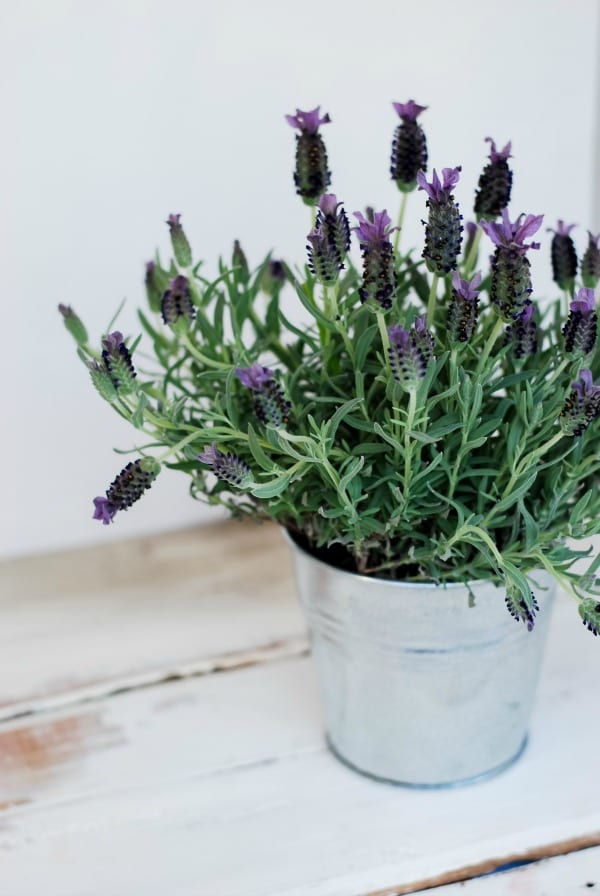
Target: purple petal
584, 301
112, 341
409, 111
328, 203
103, 510
530, 225
210, 454
308, 122
497, 155
255, 376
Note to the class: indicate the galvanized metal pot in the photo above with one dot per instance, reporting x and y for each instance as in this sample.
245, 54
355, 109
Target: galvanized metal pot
417, 687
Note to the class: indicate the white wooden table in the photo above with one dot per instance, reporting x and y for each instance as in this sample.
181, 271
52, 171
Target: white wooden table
160, 735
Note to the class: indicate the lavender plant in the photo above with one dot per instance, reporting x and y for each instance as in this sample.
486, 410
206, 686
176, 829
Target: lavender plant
429, 421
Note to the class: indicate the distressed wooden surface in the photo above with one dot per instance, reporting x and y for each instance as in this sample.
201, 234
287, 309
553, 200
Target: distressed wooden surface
84, 622
121, 781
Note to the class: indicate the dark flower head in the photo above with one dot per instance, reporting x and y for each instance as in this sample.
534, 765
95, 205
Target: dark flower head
580, 330
512, 235
463, 309
409, 111
439, 190
307, 122
590, 263
582, 405
443, 229
118, 363
227, 467
254, 377
410, 353
128, 487
564, 255
176, 304
495, 183
522, 334
376, 231
520, 609
379, 272
329, 241
270, 404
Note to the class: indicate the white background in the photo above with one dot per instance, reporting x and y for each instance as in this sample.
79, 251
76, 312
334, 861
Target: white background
117, 113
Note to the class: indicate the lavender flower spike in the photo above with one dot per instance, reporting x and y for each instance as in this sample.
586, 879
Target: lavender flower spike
118, 364
270, 404
176, 304
564, 255
443, 231
495, 183
581, 329
522, 334
329, 241
181, 247
410, 353
311, 176
511, 279
590, 263
227, 467
409, 146
463, 309
128, 487
379, 273
582, 405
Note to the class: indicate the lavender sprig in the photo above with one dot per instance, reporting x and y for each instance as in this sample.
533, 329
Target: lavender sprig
379, 273
329, 240
227, 467
564, 255
127, 488
181, 247
410, 353
409, 147
443, 230
582, 405
311, 176
176, 304
581, 328
270, 404
463, 310
590, 263
523, 333
511, 278
495, 183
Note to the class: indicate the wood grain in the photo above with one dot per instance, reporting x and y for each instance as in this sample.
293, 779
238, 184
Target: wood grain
88, 622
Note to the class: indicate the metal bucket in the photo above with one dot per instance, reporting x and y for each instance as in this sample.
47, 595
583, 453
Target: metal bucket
417, 687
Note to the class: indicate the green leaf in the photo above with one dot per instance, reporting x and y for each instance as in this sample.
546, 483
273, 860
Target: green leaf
274, 487
137, 418
257, 452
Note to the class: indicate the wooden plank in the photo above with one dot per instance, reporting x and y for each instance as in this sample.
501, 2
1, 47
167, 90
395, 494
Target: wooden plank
565, 875
86, 622
220, 785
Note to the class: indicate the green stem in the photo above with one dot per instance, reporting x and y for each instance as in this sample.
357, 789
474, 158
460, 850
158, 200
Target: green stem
197, 354
174, 448
400, 221
473, 252
556, 373
431, 302
497, 329
410, 419
385, 339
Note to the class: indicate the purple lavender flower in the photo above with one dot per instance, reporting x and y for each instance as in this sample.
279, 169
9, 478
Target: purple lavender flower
128, 487
176, 304
227, 467
379, 272
463, 309
522, 334
329, 240
409, 146
564, 255
410, 353
179, 241
581, 328
518, 607
495, 183
511, 279
590, 263
118, 364
311, 176
270, 404
582, 405
443, 231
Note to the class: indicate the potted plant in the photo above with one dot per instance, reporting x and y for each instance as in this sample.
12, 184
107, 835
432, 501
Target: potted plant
426, 438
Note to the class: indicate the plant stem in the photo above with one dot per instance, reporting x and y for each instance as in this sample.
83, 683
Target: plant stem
431, 302
385, 339
197, 354
403, 202
497, 329
473, 252
174, 448
410, 419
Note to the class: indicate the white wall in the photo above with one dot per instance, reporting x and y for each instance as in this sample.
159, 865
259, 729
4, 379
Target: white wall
118, 113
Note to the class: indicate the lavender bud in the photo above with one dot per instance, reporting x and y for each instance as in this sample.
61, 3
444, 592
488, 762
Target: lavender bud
564, 256
589, 610
102, 381
118, 363
239, 263
379, 272
311, 176
590, 263
582, 405
409, 147
176, 304
270, 404
410, 353
581, 328
329, 241
463, 309
273, 277
443, 230
519, 608
73, 324
126, 489
495, 183
179, 241
156, 282
522, 334
227, 467
511, 279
